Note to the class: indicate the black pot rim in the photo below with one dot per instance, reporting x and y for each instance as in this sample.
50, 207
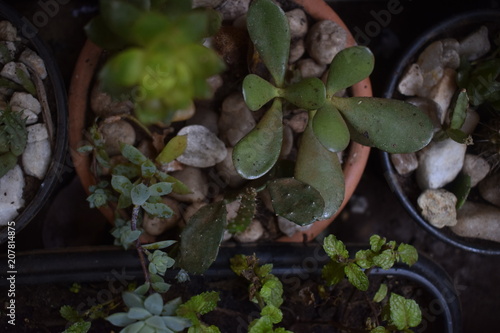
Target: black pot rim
54, 172
107, 263
462, 20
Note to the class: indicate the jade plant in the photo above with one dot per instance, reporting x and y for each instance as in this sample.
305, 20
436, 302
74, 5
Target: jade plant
317, 183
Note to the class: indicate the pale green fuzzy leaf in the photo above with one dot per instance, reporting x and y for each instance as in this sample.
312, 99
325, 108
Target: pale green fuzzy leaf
120, 319
405, 313
132, 300
154, 304
139, 194
133, 154
121, 184
171, 306
148, 169
157, 323
138, 313
157, 209
159, 245
160, 189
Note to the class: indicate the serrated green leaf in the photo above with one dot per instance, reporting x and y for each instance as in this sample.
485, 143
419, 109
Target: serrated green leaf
173, 149
272, 292
260, 325
257, 92
364, 258
356, 276
7, 162
385, 259
335, 248
348, 67
239, 264
264, 16
407, 254
376, 243
198, 305
273, 312
393, 126
405, 313
139, 194
79, 327
69, 313
333, 272
133, 154
264, 270
381, 293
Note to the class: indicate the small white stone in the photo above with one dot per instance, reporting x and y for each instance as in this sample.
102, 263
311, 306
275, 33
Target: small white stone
324, 40
8, 31
226, 171
451, 58
195, 180
489, 188
104, 105
33, 61
298, 122
36, 158
232, 9
478, 221
203, 148
236, 119
309, 68
206, 3
404, 163
116, 133
476, 167
23, 100
9, 71
411, 81
37, 132
439, 163
11, 194
297, 20
444, 90
475, 45
438, 207
297, 50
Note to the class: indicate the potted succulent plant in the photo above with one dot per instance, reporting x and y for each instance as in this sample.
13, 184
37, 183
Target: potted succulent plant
33, 133
457, 168
306, 189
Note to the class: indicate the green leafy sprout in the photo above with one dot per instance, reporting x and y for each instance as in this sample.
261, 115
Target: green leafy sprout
390, 125
399, 313
159, 60
265, 289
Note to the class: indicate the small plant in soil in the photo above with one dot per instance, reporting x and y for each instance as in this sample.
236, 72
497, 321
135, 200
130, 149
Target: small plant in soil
394, 312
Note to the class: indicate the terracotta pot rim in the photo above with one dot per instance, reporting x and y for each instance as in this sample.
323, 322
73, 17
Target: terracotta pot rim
82, 77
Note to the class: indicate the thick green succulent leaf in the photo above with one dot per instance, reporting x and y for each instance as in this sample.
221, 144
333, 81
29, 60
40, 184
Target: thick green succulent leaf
461, 187
162, 188
296, 201
321, 169
264, 17
201, 238
120, 16
139, 194
158, 209
123, 70
390, 125
459, 110
98, 32
257, 91
173, 149
133, 154
330, 128
309, 93
349, 66
7, 162
258, 151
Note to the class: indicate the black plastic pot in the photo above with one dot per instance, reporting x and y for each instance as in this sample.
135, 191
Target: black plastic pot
290, 262
405, 187
56, 94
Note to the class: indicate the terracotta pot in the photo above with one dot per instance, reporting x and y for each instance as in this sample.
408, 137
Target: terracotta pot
354, 163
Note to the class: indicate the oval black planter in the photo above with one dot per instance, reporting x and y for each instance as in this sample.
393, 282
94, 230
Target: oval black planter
453, 27
289, 260
56, 93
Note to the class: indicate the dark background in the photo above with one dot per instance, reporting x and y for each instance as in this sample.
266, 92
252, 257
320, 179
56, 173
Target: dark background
373, 208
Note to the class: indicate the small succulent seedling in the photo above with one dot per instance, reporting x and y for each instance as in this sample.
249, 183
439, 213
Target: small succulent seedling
265, 289
390, 125
399, 313
13, 138
159, 60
